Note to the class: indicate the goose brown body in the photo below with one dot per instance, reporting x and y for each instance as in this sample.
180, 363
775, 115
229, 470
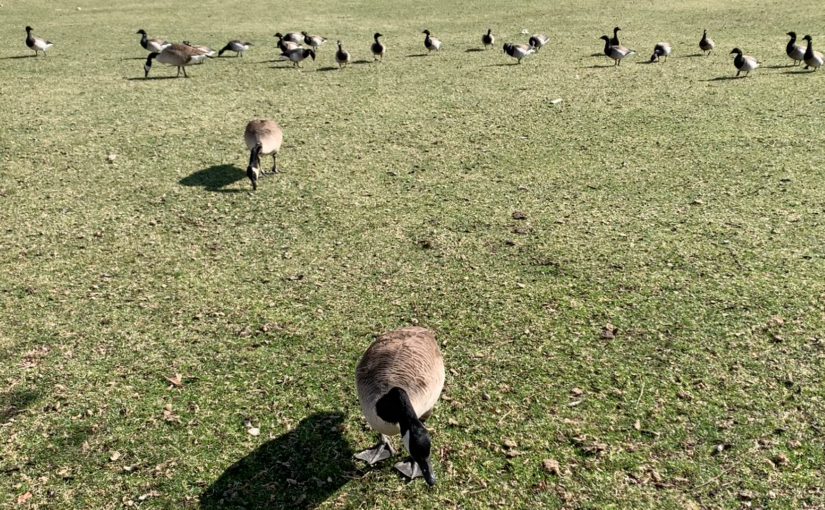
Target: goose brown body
795, 52
537, 41
431, 43
262, 136
406, 358
178, 55
812, 58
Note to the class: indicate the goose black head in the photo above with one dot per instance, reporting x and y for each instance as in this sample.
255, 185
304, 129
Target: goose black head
278, 34
615, 29
29, 29
792, 34
148, 65
489, 30
807, 38
141, 31
377, 35
304, 33
604, 38
427, 31
311, 54
186, 43
654, 56
735, 50
417, 441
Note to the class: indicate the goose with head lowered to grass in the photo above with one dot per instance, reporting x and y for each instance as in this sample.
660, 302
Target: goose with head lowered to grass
538, 41
518, 51
378, 48
431, 43
617, 53
178, 55
795, 52
297, 55
743, 63
661, 49
238, 46
151, 45
399, 380
296, 37
813, 58
37, 43
488, 39
262, 136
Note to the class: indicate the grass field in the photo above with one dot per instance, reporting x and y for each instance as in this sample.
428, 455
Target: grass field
667, 201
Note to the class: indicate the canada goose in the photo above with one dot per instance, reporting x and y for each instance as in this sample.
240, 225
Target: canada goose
614, 41
237, 46
36, 43
518, 51
431, 43
538, 40
378, 48
342, 57
296, 37
706, 44
661, 49
297, 55
743, 62
178, 55
399, 380
151, 45
796, 52
263, 136
285, 45
812, 58
206, 50
617, 53
314, 40
488, 39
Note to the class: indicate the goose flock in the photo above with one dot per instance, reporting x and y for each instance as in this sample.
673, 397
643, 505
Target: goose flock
401, 374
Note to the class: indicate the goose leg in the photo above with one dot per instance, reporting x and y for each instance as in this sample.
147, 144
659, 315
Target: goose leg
178, 75
274, 167
383, 450
184, 73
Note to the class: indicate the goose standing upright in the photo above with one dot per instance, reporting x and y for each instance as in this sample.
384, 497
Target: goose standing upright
178, 55
431, 43
614, 41
37, 43
537, 41
617, 53
262, 136
378, 48
342, 57
813, 58
706, 43
151, 45
237, 46
661, 49
743, 63
518, 51
488, 39
796, 52
399, 380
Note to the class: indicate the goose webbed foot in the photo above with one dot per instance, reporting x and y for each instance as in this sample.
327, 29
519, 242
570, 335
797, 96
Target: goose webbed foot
383, 450
409, 468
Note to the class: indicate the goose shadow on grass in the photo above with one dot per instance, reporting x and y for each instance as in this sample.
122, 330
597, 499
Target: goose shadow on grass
502, 64
19, 56
725, 78
150, 78
299, 469
362, 61
15, 402
215, 178
418, 55
473, 50
328, 68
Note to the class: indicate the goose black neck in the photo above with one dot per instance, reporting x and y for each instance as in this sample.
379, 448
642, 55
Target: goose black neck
606, 46
253, 156
143, 40
395, 407
809, 51
739, 60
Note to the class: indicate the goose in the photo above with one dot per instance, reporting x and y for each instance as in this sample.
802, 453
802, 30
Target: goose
518, 51
431, 43
399, 380
614, 41
262, 136
661, 49
743, 62
314, 40
617, 53
488, 39
342, 57
178, 55
796, 52
812, 58
206, 50
537, 41
237, 46
296, 37
706, 44
151, 45
285, 45
378, 48
37, 43
297, 55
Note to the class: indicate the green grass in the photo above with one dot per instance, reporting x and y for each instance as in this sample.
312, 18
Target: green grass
684, 209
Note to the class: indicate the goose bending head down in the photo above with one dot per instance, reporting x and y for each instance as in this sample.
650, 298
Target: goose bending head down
518, 51
617, 53
262, 136
743, 63
237, 46
537, 41
378, 48
313, 40
37, 43
430, 42
813, 58
285, 45
178, 55
399, 380
297, 55
661, 49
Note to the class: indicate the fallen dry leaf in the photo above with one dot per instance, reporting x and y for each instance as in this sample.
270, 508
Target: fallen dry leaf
551, 466
175, 380
24, 497
609, 331
114, 456
253, 431
509, 443
576, 391
246, 331
637, 425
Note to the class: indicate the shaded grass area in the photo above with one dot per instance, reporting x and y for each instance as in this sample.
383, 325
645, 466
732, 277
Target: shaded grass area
651, 319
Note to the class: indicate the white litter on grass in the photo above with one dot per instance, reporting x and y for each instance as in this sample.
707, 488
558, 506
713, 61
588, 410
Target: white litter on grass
556, 101
525, 31
254, 431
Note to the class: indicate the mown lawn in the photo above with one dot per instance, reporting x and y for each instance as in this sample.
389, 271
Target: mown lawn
629, 283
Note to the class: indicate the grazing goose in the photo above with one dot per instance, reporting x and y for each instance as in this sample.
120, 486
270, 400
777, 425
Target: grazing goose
314, 40
178, 55
36, 43
538, 40
296, 37
706, 44
614, 41
488, 39
206, 50
263, 136
297, 55
617, 53
431, 43
151, 45
399, 380
661, 49
342, 57
378, 48
796, 52
743, 62
518, 51
285, 45
237, 46
812, 58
